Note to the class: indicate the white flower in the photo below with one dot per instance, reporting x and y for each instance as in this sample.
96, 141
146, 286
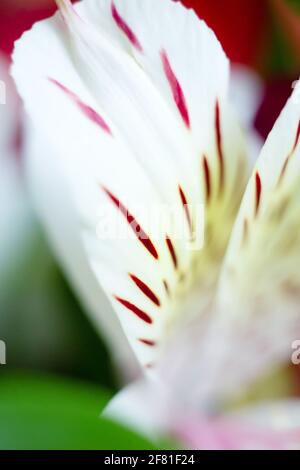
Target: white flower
129, 107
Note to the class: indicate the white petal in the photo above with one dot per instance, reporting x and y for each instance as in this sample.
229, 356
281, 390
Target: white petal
281, 415
8, 108
58, 214
92, 160
145, 406
15, 217
259, 290
148, 407
246, 92
281, 419
255, 319
190, 71
234, 433
109, 124
192, 54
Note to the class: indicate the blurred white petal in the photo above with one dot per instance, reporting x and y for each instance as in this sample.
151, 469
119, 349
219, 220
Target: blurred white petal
145, 405
282, 415
15, 216
246, 92
46, 177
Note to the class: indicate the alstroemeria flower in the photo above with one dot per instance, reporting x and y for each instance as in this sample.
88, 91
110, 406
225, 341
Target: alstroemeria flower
129, 108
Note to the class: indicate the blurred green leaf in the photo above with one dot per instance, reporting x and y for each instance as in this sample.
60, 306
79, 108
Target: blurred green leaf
295, 4
281, 60
42, 322
51, 413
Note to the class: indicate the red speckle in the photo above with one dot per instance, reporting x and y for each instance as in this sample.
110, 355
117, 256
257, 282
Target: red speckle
145, 289
245, 231
186, 207
87, 110
284, 167
147, 342
137, 311
207, 178
141, 235
219, 144
258, 189
297, 138
172, 251
177, 91
125, 28
166, 286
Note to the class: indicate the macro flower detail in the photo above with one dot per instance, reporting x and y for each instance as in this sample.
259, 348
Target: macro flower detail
131, 109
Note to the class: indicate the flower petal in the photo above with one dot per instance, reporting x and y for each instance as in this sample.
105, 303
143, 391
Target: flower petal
59, 215
246, 93
258, 299
189, 68
15, 216
8, 108
231, 433
279, 415
255, 318
149, 408
260, 284
190, 71
93, 163
121, 145
183, 58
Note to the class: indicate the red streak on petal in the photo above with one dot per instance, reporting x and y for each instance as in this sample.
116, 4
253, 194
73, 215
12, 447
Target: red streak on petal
284, 167
207, 178
145, 289
219, 144
186, 207
87, 110
137, 311
297, 138
290, 155
258, 189
137, 229
147, 342
176, 89
125, 28
172, 251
